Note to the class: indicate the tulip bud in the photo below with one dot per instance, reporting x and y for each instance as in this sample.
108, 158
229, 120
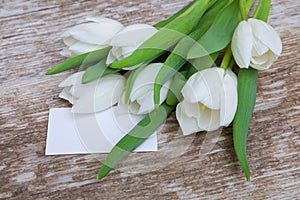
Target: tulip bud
210, 101
91, 36
141, 99
128, 40
94, 96
255, 43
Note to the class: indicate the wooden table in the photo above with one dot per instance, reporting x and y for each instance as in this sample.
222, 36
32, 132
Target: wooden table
30, 45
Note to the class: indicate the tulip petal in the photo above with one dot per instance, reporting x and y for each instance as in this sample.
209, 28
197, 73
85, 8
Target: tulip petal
141, 99
138, 92
164, 91
101, 96
258, 47
205, 87
72, 80
69, 40
123, 108
190, 109
100, 19
67, 53
209, 119
81, 90
233, 76
146, 103
133, 107
95, 33
93, 88
188, 125
128, 40
145, 80
65, 94
81, 48
114, 54
221, 88
260, 60
230, 99
263, 62
242, 44
119, 53
133, 35
127, 51
266, 34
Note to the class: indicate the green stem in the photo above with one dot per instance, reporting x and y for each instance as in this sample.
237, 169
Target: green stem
227, 58
243, 9
231, 64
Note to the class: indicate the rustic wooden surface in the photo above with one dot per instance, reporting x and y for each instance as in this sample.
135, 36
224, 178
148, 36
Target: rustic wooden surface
30, 44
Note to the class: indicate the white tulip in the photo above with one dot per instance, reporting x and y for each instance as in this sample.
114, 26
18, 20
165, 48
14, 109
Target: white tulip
95, 96
128, 40
96, 34
255, 43
141, 100
210, 101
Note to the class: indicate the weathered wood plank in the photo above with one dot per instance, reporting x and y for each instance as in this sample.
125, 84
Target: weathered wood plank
30, 44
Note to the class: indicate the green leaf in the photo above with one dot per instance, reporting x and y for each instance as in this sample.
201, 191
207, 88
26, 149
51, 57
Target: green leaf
263, 10
134, 138
220, 33
177, 58
97, 71
247, 84
166, 37
167, 21
83, 59
247, 80
130, 81
202, 63
174, 94
249, 5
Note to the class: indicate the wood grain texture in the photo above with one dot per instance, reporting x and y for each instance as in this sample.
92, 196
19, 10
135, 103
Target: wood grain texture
30, 45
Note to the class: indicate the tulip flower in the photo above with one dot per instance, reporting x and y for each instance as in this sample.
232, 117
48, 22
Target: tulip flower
141, 99
95, 96
255, 43
91, 36
210, 101
128, 40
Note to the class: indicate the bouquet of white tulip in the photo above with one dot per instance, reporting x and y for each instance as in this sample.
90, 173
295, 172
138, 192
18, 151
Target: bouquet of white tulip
172, 64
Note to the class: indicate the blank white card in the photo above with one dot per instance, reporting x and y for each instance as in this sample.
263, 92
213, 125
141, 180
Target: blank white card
70, 133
